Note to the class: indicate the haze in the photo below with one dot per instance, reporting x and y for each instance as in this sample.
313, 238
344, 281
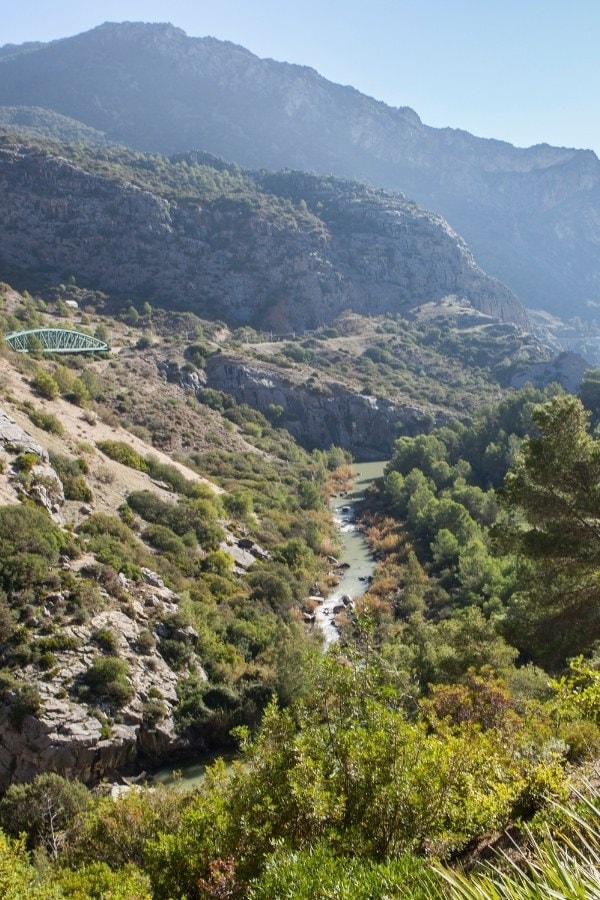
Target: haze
525, 73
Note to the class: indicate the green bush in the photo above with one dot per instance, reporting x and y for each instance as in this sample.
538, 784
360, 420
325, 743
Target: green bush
123, 453
45, 385
198, 516
107, 640
46, 421
153, 710
107, 679
24, 699
172, 476
29, 544
77, 488
146, 642
26, 461
44, 809
164, 539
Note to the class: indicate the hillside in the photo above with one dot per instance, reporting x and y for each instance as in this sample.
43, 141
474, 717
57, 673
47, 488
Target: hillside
388, 672
119, 564
529, 215
281, 252
166, 539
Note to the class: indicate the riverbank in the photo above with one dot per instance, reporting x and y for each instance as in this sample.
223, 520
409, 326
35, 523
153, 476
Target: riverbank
356, 568
356, 561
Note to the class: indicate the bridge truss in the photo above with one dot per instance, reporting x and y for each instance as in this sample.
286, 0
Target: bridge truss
54, 340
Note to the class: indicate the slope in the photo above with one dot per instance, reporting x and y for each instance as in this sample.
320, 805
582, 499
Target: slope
530, 215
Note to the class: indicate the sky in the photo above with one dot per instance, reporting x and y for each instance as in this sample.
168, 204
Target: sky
524, 71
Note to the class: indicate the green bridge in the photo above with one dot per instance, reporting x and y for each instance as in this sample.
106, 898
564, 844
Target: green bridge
54, 340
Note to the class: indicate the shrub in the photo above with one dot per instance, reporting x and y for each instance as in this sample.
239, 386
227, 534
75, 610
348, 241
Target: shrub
24, 699
77, 488
46, 421
164, 539
176, 653
26, 461
153, 710
45, 385
197, 354
43, 809
174, 478
97, 879
107, 640
107, 678
7, 620
123, 453
146, 642
29, 543
239, 504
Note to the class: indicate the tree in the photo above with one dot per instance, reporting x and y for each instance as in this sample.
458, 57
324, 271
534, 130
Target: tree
44, 809
18, 877
348, 769
589, 393
553, 492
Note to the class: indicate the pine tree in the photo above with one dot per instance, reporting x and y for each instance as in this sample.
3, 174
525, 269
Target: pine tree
553, 492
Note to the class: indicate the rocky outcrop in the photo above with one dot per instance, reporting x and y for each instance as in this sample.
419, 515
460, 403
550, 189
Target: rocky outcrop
566, 369
292, 254
41, 483
530, 215
321, 413
87, 739
15, 439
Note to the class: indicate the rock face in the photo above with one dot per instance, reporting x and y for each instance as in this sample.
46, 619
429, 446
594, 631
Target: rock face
324, 413
42, 485
86, 740
567, 369
292, 256
530, 215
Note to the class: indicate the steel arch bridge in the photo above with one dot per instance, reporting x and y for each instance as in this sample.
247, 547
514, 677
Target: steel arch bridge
54, 340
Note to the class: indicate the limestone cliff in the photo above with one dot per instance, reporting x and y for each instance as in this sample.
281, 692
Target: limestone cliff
321, 414
282, 252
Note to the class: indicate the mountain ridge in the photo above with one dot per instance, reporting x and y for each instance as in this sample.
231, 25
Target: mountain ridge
530, 215
282, 251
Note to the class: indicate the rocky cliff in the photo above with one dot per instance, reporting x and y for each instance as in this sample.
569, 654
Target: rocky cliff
78, 739
282, 252
323, 413
66, 731
530, 215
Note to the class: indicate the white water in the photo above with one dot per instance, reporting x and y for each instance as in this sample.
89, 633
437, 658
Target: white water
355, 552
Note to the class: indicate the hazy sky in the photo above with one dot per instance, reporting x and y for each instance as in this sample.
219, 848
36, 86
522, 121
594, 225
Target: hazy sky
526, 71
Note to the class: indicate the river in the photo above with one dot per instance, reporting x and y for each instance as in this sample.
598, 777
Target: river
361, 565
190, 773
355, 552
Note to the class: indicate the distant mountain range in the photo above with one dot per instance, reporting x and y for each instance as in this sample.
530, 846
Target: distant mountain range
531, 216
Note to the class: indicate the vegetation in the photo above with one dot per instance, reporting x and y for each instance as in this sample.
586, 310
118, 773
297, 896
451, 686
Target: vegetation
462, 700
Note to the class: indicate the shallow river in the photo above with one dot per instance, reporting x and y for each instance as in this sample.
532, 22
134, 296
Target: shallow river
355, 552
353, 583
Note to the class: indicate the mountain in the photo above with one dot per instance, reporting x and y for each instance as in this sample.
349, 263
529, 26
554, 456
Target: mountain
531, 216
281, 252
